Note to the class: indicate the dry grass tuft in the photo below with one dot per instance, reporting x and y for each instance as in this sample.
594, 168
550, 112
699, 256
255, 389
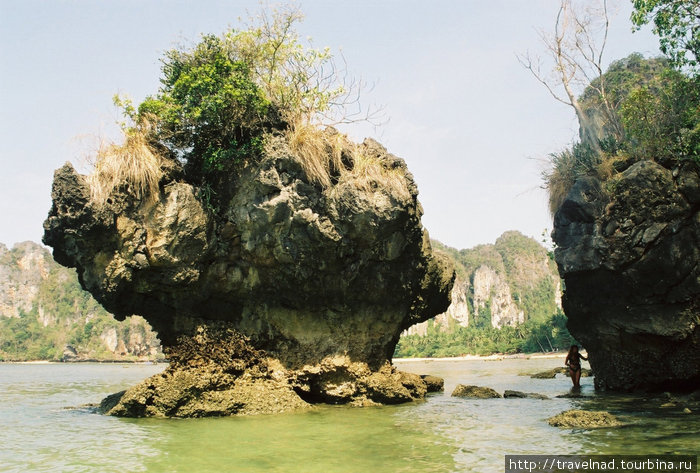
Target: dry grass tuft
320, 152
560, 178
572, 163
133, 162
371, 174
328, 156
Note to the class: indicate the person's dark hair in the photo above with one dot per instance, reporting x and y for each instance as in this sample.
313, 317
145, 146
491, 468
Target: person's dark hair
571, 350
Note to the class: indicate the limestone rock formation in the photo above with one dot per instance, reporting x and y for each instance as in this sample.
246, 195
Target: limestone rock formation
457, 312
509, 282
321, 280
21, 271
44, 314
491, 289
629, 254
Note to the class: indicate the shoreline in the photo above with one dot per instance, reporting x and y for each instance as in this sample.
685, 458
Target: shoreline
78, 362
494, 357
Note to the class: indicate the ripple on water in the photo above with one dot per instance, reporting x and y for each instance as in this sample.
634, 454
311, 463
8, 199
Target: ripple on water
443, 434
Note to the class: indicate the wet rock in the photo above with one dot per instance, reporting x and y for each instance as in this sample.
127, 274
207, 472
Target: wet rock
309, 275
579, 419
478, 392
519, 394
573, 395
434, 383
110, 401
550, 374
629, 258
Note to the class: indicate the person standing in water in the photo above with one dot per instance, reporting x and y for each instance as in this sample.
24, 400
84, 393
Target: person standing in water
573, 361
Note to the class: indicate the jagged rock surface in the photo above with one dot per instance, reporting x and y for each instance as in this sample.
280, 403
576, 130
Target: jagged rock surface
320, 280
629, 253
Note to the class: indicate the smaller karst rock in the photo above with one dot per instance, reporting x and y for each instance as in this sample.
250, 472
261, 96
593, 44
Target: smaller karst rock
549, 374
434, 383
579, 419
478, 392
519, 394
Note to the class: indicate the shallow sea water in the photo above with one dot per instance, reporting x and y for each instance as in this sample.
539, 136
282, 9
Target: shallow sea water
43, 431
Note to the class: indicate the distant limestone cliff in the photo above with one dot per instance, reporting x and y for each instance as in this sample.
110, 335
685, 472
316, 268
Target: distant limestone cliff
46, 315
501, 284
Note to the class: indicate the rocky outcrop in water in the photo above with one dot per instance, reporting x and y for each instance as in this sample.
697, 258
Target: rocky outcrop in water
478, 392
629, 253
322, 281
580, 419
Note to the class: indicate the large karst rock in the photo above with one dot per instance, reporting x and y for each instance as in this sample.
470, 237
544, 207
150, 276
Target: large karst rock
320, 282
629, 253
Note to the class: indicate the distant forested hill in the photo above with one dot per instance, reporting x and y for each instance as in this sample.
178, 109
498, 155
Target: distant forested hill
45, 314
506, 298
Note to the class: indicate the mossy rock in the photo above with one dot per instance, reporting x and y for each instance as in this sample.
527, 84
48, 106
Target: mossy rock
579, 419
478, 392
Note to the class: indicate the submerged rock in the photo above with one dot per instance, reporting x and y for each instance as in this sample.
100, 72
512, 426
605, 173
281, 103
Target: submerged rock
478, 392
321, 280
628, 251
573, 395
578, 419
519, 394
551, 374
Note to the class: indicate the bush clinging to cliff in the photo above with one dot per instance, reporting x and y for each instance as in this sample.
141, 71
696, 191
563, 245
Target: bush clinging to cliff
657, 117
219, 99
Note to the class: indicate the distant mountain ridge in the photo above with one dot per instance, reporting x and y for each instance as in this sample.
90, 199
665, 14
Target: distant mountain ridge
46, 315
502, 284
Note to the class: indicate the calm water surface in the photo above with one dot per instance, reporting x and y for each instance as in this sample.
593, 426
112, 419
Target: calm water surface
42, 431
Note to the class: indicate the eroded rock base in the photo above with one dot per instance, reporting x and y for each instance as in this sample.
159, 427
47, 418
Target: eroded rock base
216, 372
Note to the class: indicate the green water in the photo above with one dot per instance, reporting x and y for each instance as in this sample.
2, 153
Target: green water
42, 433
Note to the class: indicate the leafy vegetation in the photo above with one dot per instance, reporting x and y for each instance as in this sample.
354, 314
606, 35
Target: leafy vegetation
652, 111
532, 336
223, 103
222, 99
677, 23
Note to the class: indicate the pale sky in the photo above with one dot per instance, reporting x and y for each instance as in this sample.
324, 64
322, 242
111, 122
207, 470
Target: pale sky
473, 126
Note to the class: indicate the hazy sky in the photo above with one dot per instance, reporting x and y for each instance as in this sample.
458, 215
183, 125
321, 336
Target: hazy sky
472, 124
